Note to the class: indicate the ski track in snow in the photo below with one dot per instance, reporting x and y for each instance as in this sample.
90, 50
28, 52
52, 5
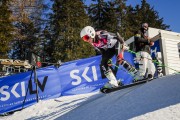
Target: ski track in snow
157, 99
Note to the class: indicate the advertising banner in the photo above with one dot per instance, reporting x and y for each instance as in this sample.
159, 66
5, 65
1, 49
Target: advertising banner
155, 49
157, 55
19, 91
71, 78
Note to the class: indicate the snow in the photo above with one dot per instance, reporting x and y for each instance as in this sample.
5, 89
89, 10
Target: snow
157, 99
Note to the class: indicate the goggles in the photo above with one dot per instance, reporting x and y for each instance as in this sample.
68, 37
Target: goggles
85, 38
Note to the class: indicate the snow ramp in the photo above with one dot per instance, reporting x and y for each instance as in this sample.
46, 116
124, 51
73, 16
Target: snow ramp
138, 102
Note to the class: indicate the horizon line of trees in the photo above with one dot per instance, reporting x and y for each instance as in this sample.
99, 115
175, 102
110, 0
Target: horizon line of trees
51, 29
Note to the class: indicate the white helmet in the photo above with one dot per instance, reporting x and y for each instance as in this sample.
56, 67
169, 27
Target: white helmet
88, 30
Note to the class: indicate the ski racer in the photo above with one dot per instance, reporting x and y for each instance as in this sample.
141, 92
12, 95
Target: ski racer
109, 44
142, 46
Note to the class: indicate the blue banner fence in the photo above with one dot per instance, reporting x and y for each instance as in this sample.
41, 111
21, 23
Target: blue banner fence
71, 78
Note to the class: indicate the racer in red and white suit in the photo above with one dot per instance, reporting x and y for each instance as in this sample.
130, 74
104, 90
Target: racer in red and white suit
109, 45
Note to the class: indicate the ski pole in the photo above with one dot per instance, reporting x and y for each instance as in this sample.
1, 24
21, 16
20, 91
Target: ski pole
155, 61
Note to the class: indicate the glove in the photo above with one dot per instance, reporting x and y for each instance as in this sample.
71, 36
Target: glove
151, 43
124, 47
120, 58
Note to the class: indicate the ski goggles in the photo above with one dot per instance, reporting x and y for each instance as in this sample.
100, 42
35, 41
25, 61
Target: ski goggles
85, 38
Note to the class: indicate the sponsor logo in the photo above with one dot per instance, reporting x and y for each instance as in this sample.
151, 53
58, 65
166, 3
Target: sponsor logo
19, 90
77, 79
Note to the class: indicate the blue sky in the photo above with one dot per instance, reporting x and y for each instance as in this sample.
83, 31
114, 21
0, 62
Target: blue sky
169, 10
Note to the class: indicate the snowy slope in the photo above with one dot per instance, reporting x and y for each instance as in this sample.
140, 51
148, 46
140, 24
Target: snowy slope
158, 99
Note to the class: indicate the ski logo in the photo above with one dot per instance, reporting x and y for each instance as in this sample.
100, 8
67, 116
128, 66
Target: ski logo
19, 89
77, 79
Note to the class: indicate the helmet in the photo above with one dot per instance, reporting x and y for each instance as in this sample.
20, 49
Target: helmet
145, 25
89, 31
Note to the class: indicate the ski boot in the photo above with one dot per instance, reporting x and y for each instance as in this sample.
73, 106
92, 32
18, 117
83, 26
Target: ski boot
108, 86
112, 83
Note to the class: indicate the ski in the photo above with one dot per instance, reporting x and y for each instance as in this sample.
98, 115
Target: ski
138, 82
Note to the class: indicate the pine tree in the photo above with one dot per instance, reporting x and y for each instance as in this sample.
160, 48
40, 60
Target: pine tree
151, 16
145, 13
6, 28
120, 6
68, 18
26, 42
98, 13
131, 24
27, 15
110, 21
109, 15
